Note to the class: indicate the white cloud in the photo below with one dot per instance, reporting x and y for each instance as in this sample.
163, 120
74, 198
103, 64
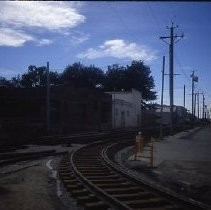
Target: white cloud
17, 16
78, 37
17, 38
121, 49
44, 42
14, 38
49, 15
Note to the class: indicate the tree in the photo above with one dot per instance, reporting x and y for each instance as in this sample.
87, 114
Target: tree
115, 78
36, 77
137, 75
83, 76
16, 81
4, 82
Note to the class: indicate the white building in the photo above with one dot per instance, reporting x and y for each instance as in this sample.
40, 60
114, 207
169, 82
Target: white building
179, 114
126, 109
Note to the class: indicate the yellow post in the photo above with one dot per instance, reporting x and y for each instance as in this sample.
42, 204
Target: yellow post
137, 148
141, 143
135, 152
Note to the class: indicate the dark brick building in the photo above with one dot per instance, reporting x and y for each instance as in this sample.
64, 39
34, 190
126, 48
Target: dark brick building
23, 110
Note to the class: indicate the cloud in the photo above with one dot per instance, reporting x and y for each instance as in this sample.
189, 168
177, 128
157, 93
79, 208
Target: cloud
17, 38
44, 42
78, 37
49, 15
19, 17
120, 49
14, 38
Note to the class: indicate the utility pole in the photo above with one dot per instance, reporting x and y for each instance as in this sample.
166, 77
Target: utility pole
47, 99
161, 109
198, 103
194, 79
184, 97
205, 111
173, 39
195, 104
114, 112
203, 108
192, 91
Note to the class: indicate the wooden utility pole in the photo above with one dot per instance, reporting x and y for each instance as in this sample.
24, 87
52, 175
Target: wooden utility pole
194, 79
192, 92
198, 104
203, 108
161, 103
195, 104
173, 39
47, 99
184, 97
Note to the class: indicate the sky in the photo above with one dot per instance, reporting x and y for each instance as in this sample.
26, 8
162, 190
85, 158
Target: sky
106, 33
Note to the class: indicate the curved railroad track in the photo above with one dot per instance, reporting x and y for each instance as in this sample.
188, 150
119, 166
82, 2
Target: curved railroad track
97, 182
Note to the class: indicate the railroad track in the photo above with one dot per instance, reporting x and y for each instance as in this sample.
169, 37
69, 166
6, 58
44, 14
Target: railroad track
11, 158
96, 182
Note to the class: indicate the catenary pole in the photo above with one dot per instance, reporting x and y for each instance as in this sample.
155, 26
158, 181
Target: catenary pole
173, 39
161, 109
203, 107
171, 75
184, 97
198, 104
47, 100
195, 104
193, 93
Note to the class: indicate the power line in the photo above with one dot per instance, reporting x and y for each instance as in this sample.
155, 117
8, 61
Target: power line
153, 17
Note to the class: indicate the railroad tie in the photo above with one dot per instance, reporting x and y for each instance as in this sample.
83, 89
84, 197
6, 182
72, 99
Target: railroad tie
130, 196
80, 192
162, 208
87, 199
152, 202
96, 206
74, 186
123, 190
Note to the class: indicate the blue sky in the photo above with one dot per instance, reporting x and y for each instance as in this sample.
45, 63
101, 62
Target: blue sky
105, 33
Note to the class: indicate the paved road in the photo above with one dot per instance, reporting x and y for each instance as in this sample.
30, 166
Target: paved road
184, 164
185, 147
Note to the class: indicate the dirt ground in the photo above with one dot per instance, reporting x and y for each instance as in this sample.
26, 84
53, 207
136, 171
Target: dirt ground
31, 186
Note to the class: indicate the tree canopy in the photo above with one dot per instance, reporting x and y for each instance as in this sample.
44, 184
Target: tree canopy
35, 77
4, 82
83, 76
136, 75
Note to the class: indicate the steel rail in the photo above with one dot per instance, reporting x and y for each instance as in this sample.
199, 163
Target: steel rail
98, 191
78, 168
